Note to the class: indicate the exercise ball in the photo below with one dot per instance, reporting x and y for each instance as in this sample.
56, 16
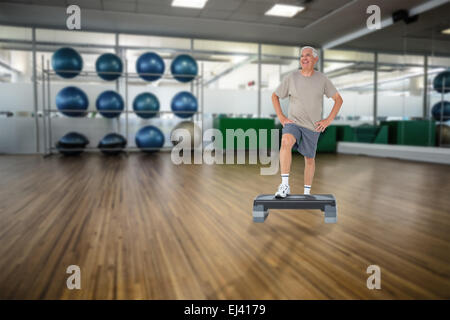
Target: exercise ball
112, 141
184, 68
149, 137
146, 101
437, 109
445, 130
184, 101
195, 134
152, 63
109, 100
442, 79
67, 62
72, 140
109, 62
72, 98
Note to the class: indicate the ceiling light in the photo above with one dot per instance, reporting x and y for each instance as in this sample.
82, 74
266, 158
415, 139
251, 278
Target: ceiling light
238, 59
284, 10
195, 4
446, 31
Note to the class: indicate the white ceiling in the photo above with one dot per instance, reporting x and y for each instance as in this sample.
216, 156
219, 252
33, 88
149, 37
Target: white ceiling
238, 20
227, 10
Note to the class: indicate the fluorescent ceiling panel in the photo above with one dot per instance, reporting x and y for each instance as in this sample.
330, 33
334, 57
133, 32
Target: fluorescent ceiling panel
194, 4
284, 10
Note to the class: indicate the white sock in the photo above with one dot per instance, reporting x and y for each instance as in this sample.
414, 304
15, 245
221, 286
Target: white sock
307, 189
285, 178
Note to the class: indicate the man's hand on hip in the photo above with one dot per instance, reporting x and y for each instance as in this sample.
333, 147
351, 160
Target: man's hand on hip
322, 125
285, 120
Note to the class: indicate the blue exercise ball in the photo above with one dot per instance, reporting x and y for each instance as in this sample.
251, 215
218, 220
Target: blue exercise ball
112, 144
437, 109
72, 143
67, 62
146, 101
109, 100
149, 137
150, 62
184, 68
109, 62
442, 80
72, 98
184, 101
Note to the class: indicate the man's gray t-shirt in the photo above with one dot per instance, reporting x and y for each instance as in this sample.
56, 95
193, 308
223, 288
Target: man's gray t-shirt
305, 96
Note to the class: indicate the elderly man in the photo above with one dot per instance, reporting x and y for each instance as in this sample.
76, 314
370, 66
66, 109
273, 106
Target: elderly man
302, 127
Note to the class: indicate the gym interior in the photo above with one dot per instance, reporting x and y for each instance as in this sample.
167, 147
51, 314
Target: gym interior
94, 184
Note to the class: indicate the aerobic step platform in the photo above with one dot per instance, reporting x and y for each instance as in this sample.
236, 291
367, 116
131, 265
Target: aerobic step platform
324, 202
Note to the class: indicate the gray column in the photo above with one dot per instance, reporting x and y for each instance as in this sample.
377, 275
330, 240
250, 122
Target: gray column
425, 87
35, 92
298, 60
259, 80
321, 64
375, 89
202, 107
192, 54
126, 99
116, 50
321, 58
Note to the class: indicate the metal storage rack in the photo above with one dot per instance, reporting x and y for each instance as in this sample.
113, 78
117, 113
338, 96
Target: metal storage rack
441, 121
197, 90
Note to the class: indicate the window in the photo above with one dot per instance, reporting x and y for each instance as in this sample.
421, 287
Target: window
352, 73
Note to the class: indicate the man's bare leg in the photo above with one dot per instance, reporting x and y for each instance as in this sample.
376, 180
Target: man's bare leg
287, 141
310, 167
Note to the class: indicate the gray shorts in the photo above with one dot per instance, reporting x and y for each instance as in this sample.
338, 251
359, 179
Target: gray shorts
306, 140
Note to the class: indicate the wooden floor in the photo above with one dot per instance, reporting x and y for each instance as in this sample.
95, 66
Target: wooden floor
140, 227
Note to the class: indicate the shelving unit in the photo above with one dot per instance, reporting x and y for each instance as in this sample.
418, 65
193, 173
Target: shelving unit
48, 74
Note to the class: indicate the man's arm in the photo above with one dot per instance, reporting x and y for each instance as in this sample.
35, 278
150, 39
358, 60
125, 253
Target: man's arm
322, 124
276, 105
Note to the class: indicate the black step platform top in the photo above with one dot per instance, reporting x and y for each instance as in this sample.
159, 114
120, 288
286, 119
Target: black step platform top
295, 201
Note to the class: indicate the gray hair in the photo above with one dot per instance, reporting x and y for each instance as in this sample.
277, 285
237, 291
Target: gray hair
315, 54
